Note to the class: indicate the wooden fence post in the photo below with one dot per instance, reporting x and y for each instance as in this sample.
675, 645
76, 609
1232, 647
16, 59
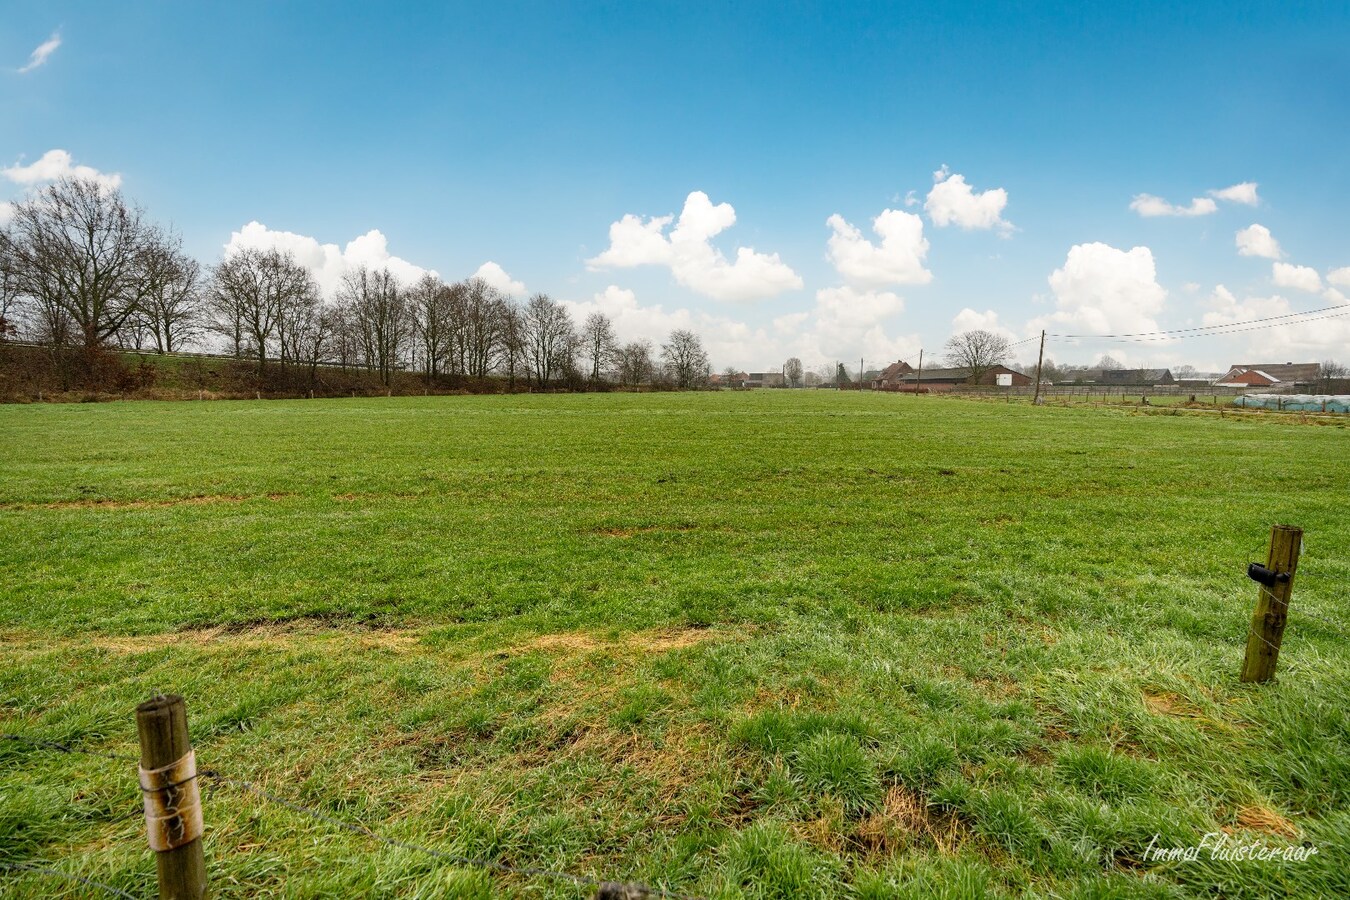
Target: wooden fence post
1272, 604
173, 810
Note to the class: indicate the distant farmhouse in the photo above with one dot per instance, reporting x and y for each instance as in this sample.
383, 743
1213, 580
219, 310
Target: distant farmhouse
888, 379
1273, 376
946, 379
1121, 377
902, 376
765, 379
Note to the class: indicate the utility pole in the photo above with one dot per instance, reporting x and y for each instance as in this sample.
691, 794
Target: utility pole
918, 379
1036, 401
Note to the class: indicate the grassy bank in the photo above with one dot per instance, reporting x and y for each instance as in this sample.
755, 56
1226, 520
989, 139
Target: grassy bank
759, 644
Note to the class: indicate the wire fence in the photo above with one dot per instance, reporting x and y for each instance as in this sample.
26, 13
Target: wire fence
604, 889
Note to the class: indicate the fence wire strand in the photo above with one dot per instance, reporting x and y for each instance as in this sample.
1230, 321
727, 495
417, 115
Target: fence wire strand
57, 873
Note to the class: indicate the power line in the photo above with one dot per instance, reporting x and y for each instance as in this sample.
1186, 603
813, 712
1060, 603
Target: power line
1207, 330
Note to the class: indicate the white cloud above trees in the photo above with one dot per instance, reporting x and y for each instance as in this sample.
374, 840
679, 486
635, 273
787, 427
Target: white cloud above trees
954, 202
898, 259
327, 262
496, 276
54, 164
1104, 290
688, 252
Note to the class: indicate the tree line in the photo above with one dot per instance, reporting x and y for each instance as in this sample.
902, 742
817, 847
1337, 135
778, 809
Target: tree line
84, 274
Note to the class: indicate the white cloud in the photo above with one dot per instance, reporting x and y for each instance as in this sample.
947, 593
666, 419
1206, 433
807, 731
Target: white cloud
790, 323
953, 202
496, 276
728, 341
843, 324
689, 254
971, 320
1256, 240
1288, 341
1149, 206
326, 262
56, 164
899, 259
6, 211
1339, 277
1244, 193
848, 321
1103, 290
42, 53
1304, 278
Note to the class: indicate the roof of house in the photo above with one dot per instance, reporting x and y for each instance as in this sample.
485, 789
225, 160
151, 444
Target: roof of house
1122, 376
894, 370
957, 373
1281, 372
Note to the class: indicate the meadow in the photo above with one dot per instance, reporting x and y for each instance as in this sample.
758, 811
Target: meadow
764, 644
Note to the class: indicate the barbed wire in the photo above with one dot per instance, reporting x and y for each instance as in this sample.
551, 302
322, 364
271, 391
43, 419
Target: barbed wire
57, 873
603, 888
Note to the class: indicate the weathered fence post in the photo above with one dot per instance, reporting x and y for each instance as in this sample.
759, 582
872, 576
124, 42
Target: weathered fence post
1276, 582
173, 806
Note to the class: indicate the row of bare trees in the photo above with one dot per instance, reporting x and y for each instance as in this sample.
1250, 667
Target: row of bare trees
82, 269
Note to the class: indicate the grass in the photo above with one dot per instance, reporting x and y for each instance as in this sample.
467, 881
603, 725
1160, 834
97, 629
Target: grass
766, 644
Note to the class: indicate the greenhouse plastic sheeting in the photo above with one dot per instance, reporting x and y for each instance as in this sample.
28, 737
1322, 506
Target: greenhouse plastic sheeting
1337, 403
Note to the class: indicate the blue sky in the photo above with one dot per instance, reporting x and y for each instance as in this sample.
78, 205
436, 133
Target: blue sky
519, 133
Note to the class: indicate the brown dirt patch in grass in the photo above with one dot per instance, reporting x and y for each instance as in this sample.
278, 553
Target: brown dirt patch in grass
247, 634
1167, 703
194, 500
581, 642
616, 531
906, 820
1263, 819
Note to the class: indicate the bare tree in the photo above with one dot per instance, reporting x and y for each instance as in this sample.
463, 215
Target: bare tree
429, 308
513, 343
597, 333
76, 249
379, 317
253, 293
548, 337
172, 308
1332, 370
1109, 364
978, 351
480, 327
635, 363
9, 298
685, 359
792, 371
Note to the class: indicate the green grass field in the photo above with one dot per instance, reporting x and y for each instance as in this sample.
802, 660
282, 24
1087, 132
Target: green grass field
766, 644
